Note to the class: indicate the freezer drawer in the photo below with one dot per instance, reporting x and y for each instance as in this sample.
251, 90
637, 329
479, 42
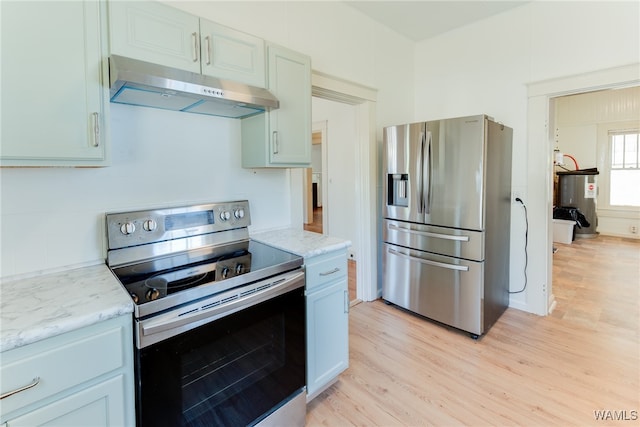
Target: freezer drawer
452, 242
445, 289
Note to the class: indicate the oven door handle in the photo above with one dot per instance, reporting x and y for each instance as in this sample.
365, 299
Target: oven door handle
193, 316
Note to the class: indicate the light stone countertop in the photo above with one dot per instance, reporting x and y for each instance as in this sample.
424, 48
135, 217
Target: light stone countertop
40, 307
300, 242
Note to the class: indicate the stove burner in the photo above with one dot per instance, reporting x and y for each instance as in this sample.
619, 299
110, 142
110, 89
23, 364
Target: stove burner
159, 286
161, 282
146, 285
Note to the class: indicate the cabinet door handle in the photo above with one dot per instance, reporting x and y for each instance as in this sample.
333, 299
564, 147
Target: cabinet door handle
327, 273
208, 49
346, 301
194, 37
33, 383
276, 148
96, 129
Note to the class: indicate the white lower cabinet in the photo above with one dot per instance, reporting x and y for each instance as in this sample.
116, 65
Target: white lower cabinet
327, 320
100, 405
80, 378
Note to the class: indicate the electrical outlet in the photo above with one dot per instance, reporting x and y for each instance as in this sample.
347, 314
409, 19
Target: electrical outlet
633, 229
516, 194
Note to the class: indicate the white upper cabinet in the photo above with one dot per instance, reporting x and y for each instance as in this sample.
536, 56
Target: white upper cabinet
54, 102
290, 82
160, 34
282, 137
154, 32
231, 54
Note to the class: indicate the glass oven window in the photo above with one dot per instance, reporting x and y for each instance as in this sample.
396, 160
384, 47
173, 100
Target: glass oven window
228, 372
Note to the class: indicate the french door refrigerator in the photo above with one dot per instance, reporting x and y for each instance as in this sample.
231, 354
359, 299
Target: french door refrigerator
447, 214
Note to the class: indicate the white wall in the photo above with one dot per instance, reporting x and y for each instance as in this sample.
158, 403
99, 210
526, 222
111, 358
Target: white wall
53, 218
486, 67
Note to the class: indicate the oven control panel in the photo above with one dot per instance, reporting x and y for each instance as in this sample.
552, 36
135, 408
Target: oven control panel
126, 229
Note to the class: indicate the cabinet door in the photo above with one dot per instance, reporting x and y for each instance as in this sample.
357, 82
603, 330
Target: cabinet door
231, 54
53, 99
154, 32
327, 335
290, 125
100, 405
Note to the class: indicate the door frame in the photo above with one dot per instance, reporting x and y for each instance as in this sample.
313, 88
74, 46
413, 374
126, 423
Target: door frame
540, 299
364, 99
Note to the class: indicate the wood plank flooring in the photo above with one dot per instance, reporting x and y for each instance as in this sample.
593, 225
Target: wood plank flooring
352, 280
316, 225
528, 370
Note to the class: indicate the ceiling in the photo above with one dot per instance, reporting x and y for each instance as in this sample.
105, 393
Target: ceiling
420, 20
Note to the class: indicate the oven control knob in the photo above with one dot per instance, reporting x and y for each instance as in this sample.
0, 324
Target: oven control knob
135, 298
225, 272
239, 268
239, 213
225, 215
149, 225
152, 294
127, 228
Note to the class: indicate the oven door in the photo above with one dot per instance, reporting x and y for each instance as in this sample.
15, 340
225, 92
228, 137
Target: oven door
235, 370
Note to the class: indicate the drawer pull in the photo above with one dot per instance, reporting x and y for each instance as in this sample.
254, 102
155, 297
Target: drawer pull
429, 262
429, 234
327, 273
33, 383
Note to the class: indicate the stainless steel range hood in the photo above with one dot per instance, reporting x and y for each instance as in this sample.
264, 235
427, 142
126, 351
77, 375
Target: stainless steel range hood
141, 83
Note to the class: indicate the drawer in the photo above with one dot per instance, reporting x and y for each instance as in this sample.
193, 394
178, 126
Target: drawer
60, 363
325, 269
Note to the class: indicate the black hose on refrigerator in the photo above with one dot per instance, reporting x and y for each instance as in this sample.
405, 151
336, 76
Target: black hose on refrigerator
526, 242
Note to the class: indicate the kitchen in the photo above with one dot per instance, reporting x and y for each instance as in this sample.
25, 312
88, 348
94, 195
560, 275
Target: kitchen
47, 227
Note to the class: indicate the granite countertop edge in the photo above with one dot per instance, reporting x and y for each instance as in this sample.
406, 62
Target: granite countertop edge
36, 308
300, 242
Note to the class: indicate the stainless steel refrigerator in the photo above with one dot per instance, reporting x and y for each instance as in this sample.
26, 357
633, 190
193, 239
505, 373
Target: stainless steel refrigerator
447, 214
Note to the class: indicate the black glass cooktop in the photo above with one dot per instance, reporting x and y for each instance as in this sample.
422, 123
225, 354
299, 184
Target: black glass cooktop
158, 278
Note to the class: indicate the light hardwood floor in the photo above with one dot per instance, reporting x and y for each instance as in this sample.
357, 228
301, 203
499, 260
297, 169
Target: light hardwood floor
528, 370
316, 225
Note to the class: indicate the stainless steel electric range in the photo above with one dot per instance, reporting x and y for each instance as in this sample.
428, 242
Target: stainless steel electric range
219, 319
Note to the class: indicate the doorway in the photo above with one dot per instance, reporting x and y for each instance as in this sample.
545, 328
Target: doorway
330, 183
314, 197
540, 170
363, 101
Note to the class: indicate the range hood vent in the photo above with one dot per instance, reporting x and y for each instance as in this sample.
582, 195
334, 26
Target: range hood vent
141, 83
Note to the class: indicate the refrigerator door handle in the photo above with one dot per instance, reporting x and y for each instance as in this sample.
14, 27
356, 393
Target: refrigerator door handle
428, 176
420, 180
429, 234
429, 262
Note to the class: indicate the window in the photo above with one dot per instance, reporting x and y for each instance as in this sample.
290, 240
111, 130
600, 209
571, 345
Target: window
624, 150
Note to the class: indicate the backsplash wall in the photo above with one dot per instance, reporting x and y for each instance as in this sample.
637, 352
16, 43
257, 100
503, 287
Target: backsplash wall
53, 218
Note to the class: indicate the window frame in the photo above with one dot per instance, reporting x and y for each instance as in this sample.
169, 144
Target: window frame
604, 162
